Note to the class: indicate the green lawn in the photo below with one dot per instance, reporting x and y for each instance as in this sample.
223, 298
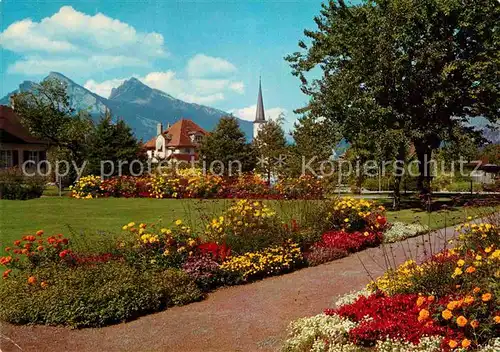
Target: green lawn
97, 218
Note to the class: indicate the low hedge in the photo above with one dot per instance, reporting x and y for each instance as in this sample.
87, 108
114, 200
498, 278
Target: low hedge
16, 186
96, 295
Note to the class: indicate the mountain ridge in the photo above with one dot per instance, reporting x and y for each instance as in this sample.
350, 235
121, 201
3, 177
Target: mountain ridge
141, 106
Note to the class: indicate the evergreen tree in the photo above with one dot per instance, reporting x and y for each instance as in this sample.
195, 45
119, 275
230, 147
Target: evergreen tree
270, 146
226, 145
112, 142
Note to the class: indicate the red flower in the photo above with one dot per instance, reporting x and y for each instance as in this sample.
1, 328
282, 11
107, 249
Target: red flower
381, 220
6, 273
17, 242
64, 253
7, 249
40, 248
5, 260
30, 238
39, 232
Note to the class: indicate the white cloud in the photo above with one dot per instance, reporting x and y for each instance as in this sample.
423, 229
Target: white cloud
238, 87
104, 88
71, 39
248, 113
187, 88
203, 66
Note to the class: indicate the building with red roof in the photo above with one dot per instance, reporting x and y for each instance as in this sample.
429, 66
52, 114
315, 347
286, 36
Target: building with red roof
17, 144
179, 141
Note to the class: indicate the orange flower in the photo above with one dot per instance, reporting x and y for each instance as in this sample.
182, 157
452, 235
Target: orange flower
453, 343
452, 305
423, 315
431, 298
420, 301
6, 273
32, 280
474, 324
447, 314
496, 319
470, 270
486, 297
469, 300
461, 321
465, 343
476, 290
44, 284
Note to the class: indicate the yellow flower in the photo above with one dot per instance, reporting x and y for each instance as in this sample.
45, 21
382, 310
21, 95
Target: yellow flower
178, 222
469, 300
447, 314
131, 224
460, 262
124, 227
346, 220
457, 272
461, 321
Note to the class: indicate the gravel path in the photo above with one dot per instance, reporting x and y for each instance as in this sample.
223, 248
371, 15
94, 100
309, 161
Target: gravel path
251, 317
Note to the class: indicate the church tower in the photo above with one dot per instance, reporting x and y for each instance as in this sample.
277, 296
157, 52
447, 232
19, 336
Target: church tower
260, 117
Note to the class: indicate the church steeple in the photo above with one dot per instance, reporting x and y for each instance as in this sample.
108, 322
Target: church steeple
259, 114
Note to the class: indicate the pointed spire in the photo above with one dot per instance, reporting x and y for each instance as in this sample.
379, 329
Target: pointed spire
259, 114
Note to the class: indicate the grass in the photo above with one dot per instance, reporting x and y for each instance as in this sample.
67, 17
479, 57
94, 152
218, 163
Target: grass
101, 218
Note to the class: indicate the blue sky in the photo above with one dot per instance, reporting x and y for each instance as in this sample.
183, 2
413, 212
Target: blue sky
209, 52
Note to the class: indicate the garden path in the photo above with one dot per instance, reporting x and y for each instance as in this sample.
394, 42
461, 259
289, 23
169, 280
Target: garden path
248, 318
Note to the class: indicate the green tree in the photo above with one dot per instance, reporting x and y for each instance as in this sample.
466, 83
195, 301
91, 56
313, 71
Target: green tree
420, 66
226, 148
46, 111
271, 148
113, 142
315, 140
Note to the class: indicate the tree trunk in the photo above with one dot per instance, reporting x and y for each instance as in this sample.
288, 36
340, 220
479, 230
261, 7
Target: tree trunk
400, 159
424, 154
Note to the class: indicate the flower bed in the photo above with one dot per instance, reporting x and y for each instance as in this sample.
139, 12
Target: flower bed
451, 301
194, 184
47, 279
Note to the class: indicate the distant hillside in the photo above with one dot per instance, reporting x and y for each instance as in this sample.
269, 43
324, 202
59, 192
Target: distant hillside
140, 106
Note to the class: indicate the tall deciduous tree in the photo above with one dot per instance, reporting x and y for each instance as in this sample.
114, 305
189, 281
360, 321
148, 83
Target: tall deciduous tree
46, 111
226, 147
420, 66
270, 146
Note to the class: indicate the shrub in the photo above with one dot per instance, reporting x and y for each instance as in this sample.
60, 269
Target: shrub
15, 185
319, 255
303, 187
152, 247
94, 295
87, 187
203, 270
345, 213
247, 226
349, 241
270, 261
399, 231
